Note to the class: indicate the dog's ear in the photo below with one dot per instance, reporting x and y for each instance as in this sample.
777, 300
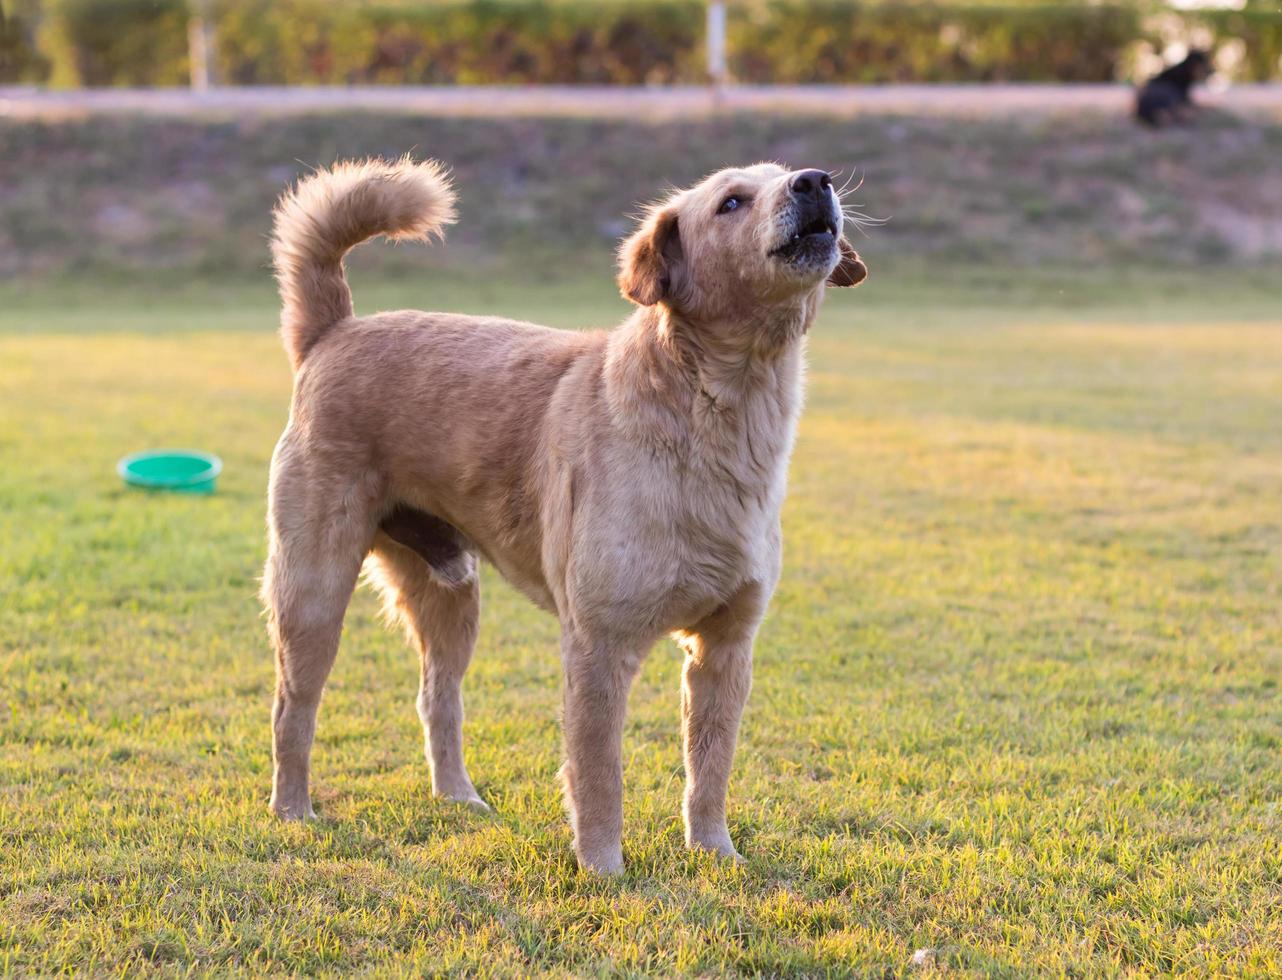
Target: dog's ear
851, 270
650, 260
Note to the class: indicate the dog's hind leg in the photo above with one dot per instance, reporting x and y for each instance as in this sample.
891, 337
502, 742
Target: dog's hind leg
440, 611
319, 530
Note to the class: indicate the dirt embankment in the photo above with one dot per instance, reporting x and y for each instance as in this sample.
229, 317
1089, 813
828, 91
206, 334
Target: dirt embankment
126, 193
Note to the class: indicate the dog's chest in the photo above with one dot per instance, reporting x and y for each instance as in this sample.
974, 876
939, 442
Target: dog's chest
711, 526
724, 520
683, 511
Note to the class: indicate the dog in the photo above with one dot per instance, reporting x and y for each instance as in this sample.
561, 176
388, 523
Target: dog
628, 481
1167, 97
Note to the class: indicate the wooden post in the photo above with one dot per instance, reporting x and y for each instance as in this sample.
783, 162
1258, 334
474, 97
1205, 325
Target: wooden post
201, 47
717, 43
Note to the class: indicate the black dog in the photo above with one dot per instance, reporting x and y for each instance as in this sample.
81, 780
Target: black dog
1167, 97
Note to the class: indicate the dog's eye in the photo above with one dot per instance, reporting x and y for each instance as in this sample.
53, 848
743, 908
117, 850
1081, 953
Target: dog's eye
729, 204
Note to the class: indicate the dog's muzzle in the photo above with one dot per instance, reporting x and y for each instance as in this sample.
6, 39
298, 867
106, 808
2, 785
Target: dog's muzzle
816, 220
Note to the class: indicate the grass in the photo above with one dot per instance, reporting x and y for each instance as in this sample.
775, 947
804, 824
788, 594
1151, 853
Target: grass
1016, 702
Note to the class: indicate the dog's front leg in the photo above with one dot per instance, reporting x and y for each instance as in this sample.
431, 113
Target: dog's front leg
598, 676
715, 684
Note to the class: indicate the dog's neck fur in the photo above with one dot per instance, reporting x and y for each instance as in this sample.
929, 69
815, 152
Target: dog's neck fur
727, 392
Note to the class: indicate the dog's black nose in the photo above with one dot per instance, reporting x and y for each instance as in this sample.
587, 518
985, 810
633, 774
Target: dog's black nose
811, 183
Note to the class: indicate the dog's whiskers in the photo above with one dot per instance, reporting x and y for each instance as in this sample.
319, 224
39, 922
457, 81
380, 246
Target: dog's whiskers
861, 220
846, 186
861, 217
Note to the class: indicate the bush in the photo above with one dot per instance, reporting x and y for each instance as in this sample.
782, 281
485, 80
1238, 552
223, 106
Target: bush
1260, 33
483, 41
126, 42
837, 40
20, 59
624, 42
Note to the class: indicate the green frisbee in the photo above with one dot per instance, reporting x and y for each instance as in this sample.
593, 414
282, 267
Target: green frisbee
180, 470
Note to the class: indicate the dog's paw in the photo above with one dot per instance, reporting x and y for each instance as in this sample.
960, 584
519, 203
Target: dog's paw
472, 800
718, 844
607, 861
292, 813
457, 788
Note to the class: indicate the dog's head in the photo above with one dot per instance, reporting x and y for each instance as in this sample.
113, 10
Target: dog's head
742, 240
1197, 66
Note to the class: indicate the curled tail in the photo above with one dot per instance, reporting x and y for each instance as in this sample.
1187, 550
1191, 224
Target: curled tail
325, 215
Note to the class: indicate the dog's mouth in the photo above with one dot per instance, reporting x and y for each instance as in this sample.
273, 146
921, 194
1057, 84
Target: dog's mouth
817, 226
813, 238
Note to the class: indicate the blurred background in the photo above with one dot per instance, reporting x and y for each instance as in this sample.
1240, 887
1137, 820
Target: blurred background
149, 137
72, 43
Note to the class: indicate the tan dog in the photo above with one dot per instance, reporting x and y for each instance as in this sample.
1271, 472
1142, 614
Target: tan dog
628, 481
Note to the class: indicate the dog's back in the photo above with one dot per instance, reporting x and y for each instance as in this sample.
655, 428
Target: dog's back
1169, 91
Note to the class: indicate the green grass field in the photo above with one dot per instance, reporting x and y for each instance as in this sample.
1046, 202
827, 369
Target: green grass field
1016, 702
